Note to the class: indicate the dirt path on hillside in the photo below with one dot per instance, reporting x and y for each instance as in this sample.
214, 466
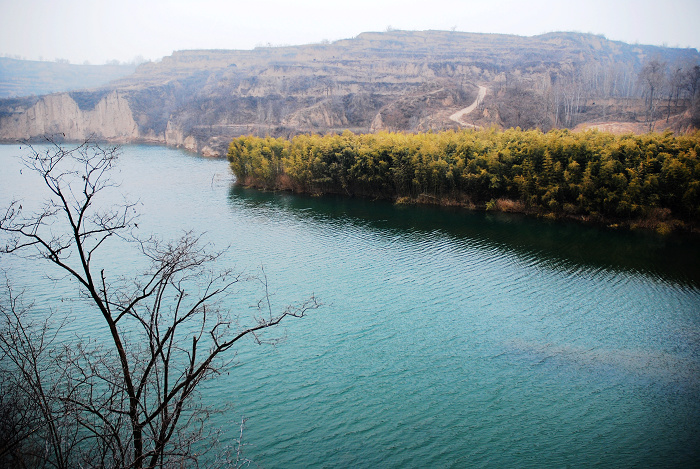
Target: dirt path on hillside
457, 116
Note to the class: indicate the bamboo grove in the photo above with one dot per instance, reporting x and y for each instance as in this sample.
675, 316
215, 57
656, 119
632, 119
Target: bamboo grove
651, 180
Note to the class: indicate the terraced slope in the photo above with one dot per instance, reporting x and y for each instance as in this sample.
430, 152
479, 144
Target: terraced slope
397, 80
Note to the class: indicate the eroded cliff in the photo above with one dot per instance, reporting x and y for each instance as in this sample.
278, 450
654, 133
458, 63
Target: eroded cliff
111, 119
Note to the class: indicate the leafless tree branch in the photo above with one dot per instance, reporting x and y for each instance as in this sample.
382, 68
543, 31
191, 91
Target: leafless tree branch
130, 402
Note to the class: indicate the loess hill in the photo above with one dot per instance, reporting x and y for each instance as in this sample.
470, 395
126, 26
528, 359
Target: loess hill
390, 81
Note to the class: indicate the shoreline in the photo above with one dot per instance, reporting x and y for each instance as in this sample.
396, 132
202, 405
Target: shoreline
661, 223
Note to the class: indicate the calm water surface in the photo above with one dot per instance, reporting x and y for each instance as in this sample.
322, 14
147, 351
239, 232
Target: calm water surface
447, 339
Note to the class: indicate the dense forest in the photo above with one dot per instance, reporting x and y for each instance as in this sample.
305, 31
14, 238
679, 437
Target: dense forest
647, 181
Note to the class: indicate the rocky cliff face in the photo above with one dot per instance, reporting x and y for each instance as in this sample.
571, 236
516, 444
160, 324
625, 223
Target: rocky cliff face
396, 81
111, 119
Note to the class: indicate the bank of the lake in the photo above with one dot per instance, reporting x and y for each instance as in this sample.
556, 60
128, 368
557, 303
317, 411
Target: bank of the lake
448, 338
646, 181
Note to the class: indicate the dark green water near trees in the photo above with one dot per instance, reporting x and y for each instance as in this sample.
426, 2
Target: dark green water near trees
447, 339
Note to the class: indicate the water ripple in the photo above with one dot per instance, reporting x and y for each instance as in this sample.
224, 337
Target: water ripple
447, 339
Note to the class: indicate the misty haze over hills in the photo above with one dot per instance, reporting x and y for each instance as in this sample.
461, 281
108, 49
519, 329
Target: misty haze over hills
27, 77
396, 80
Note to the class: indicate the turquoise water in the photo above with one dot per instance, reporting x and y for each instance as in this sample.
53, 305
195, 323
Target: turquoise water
446, 339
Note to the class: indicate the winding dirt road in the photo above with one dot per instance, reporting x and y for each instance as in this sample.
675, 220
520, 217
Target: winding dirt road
457, 116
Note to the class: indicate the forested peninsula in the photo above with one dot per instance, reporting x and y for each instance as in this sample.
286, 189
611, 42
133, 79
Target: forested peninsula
647, 181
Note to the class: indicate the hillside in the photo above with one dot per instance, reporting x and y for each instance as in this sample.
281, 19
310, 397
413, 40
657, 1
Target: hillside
33, 78
394, 81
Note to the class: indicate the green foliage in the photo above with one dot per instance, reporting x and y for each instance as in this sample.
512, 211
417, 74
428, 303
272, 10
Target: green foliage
589, 174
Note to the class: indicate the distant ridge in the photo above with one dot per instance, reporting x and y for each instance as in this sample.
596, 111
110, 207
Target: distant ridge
32, 78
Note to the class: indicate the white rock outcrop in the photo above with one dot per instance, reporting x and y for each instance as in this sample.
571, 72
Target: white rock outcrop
111, 119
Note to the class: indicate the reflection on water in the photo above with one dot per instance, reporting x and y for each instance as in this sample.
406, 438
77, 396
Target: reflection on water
523, 341
448, 338
556, 244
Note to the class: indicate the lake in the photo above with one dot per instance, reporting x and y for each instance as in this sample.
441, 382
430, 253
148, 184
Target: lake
447, 338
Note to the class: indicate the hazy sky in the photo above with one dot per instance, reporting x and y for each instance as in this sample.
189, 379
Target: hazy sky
98, 31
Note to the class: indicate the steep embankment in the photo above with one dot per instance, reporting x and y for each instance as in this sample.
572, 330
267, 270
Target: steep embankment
111, 119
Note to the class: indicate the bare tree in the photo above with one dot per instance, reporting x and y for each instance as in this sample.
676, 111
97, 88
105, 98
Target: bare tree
692, 80
35, 424
20, 416
568, 97
653, 78
132, 399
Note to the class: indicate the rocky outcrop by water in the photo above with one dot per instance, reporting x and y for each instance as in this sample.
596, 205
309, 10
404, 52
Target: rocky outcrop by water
111, 119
